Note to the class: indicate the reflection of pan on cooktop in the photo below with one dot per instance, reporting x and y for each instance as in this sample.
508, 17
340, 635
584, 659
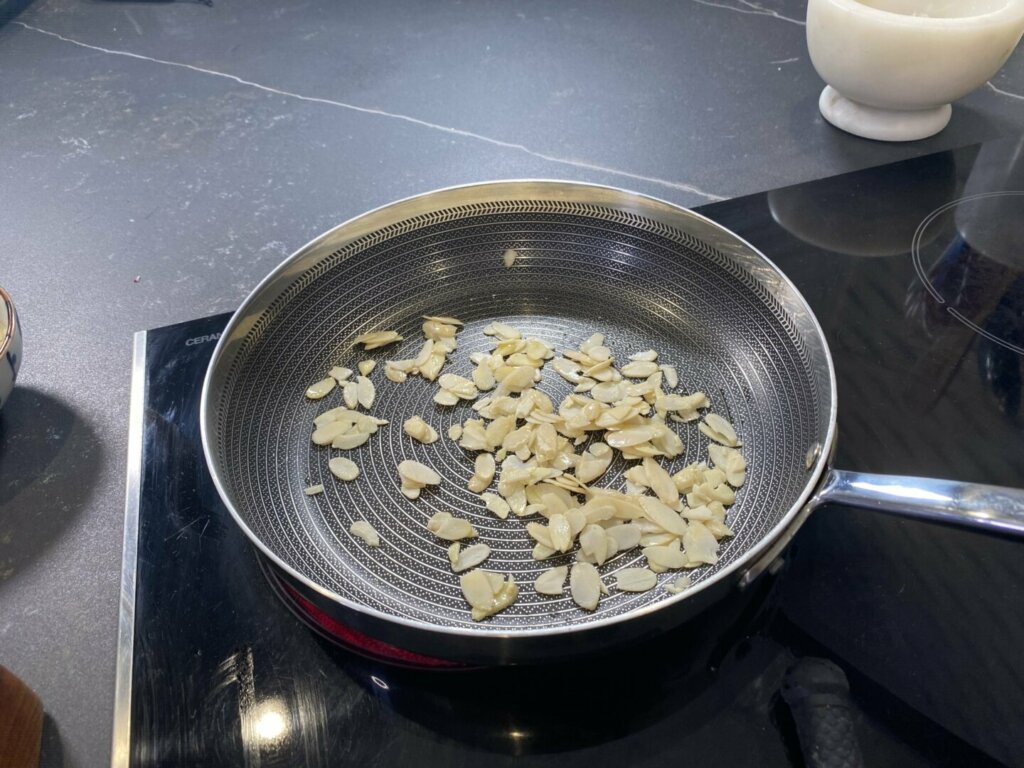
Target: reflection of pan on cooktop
870, 213
597, 700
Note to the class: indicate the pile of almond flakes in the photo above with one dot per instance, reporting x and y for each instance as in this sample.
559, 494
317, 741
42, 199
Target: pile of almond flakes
530, 447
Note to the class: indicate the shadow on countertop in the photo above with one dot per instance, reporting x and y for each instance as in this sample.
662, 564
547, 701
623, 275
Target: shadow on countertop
12, 9
49, 461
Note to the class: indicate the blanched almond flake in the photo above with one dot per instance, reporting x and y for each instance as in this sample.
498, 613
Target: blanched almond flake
454, 431
350, 394
449, 528
365, 392
444, 320
496, 504
416, 428
376, 339
585, 586
661, 482
483, 377
593, 543
343, 469
313, 490
470, 557
321, 389
366, 366
483, 472
648, 356
626, 536
453, 553
509, 257
681, 584
663, 558
418, 473
365, 531
446, 398
330, 415
719, 430
329, 431
671, 376
700, 544
663, 516
730, 461
393, 373
476, 588
340, 374
349, 441
502, 331
438, 331
639, 369
551, 581
635, 579
458, 385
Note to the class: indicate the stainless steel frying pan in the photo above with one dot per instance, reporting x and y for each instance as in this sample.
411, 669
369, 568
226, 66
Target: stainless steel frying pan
642, 271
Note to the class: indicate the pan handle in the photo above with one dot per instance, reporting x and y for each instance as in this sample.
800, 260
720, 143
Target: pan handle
982, 508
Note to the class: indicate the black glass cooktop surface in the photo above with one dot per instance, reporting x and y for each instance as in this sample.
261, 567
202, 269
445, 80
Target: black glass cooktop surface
916, 272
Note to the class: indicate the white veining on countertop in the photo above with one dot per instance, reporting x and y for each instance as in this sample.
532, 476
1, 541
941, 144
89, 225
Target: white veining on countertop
383, 113
1001, 92
753, 9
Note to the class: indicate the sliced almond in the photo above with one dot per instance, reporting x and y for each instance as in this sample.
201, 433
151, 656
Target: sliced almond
416, 428
626, 536
585, 585
455, 432
325, 435
509, 257
365, 392
648, 355
366, 532
350, 394
418, 473
680, 584
502, 331
667, 557
593, 542
700, 544
444, 320
343, 469
446, 398
551, 581
470, 557
321, 389
377, 339
449, 528
340, 374
719, 430
663, 516
350, 441
639, 369
671, 376
313, 490
495, 504
661, 482
635, 579
393, 373
476, 588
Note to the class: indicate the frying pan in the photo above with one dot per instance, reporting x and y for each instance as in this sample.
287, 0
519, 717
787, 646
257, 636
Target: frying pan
647, 274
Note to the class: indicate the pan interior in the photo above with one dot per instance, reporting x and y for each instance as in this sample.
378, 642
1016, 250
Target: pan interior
727, 322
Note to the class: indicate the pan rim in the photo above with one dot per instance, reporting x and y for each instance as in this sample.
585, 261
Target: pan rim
733, 571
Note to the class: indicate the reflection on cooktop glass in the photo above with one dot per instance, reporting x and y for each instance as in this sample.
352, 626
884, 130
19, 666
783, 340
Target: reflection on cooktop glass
876, 641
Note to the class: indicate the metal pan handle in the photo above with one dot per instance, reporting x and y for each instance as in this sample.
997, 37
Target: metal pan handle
981, 508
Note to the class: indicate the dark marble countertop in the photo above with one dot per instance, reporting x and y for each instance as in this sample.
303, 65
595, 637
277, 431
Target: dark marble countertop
158, 158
